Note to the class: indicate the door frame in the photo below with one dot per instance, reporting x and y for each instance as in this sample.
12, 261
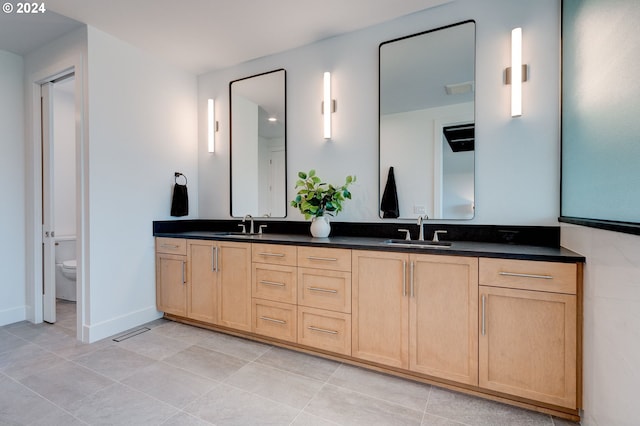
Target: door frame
34, 236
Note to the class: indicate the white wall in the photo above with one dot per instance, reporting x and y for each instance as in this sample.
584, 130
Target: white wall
517, 160
143, 122
611, 323
64, 160
12, 176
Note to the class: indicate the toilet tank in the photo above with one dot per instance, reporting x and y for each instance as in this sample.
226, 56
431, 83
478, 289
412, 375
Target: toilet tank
65, 248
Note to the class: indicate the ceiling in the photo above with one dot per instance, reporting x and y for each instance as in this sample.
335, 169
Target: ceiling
205, 35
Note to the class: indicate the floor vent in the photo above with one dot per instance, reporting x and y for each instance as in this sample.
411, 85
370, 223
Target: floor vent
131, 334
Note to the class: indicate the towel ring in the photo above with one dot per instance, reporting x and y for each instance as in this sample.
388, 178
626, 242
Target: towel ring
177, 175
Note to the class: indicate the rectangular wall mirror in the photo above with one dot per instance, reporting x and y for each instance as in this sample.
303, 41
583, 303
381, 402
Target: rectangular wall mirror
259, 145
427, 124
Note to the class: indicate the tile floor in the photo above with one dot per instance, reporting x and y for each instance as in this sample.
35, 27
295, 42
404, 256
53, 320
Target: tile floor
180, 375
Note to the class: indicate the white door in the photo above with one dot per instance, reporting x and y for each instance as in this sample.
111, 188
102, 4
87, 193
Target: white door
48, 233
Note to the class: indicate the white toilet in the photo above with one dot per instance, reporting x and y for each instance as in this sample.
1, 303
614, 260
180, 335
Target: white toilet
66, 268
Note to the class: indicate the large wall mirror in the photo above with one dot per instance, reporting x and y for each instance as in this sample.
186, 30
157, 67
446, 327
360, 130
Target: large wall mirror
427, 124
258, 145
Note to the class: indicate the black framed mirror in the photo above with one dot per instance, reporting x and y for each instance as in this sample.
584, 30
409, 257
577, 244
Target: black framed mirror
427, 124
258, 154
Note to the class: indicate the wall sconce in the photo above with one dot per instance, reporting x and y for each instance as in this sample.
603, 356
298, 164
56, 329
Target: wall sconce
328, 105
212, 125
517, 73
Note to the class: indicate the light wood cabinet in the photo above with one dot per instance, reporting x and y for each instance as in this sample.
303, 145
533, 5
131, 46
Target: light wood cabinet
417, 312
234, 285
529, 338
202, 294
171, 276
323, 329
274, 319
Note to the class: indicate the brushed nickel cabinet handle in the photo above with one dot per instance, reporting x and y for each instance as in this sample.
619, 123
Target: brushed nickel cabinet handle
322, 290
174, 246
404, 278
515, 274
325, 259
271, 254
322, 330
273, 320
213, 259
484, 328
411, 279
184, 272
265, 282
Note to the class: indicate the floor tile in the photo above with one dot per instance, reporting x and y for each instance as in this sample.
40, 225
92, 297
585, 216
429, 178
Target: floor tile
479, 412
306, 419
347, 407
26, 360
205, 362
66, 383
431, 420
170, 384
58, 417
277, 385
153, 345
10, 341
295, 362
229, 406
115, 362
393, 389
19, 405
121, 405
234, 346
185, 419
185, 333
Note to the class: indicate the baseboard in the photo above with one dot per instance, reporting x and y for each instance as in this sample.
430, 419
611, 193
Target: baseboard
104, 329
11, 315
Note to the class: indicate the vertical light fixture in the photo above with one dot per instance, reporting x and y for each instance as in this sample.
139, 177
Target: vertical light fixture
327, 105
211, 128
516, 72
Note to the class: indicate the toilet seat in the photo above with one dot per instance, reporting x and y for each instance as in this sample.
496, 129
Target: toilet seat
69, 264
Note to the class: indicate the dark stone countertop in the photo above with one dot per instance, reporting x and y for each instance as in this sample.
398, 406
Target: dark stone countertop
457, 248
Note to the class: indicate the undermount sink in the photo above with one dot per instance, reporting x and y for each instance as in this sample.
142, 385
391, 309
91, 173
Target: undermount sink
419, 243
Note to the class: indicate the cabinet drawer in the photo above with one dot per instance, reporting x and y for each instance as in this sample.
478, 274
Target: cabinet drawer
274, 319
171, 245
329, 331
274, 254
323, 289
325, 258
274, 282
529, 275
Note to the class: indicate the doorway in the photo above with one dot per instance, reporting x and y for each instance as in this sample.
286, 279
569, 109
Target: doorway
59, 204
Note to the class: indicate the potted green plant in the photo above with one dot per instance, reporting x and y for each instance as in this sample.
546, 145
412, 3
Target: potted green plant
316, 199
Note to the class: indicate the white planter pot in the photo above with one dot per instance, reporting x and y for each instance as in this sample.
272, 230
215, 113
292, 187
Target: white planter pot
320, 227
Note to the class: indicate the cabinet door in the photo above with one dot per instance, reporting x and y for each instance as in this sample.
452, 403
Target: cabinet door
380, 307
528, 344
202, 294
443, 317
171, 287
234, 285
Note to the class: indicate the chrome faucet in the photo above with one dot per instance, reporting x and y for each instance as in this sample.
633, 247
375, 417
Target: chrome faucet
420, 229
251, 225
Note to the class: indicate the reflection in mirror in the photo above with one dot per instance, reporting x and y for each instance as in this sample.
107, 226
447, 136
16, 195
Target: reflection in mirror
427, 124
258, 145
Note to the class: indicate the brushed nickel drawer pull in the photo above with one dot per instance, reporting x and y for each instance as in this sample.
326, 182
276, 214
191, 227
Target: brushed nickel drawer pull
272, 254
273, 320
322, 330
175, 246
484, 327
515, 274
184, 272
326, 259
322, 290
265, 282
404, 278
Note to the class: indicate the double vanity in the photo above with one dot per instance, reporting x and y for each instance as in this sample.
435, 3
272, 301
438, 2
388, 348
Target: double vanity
497, 320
